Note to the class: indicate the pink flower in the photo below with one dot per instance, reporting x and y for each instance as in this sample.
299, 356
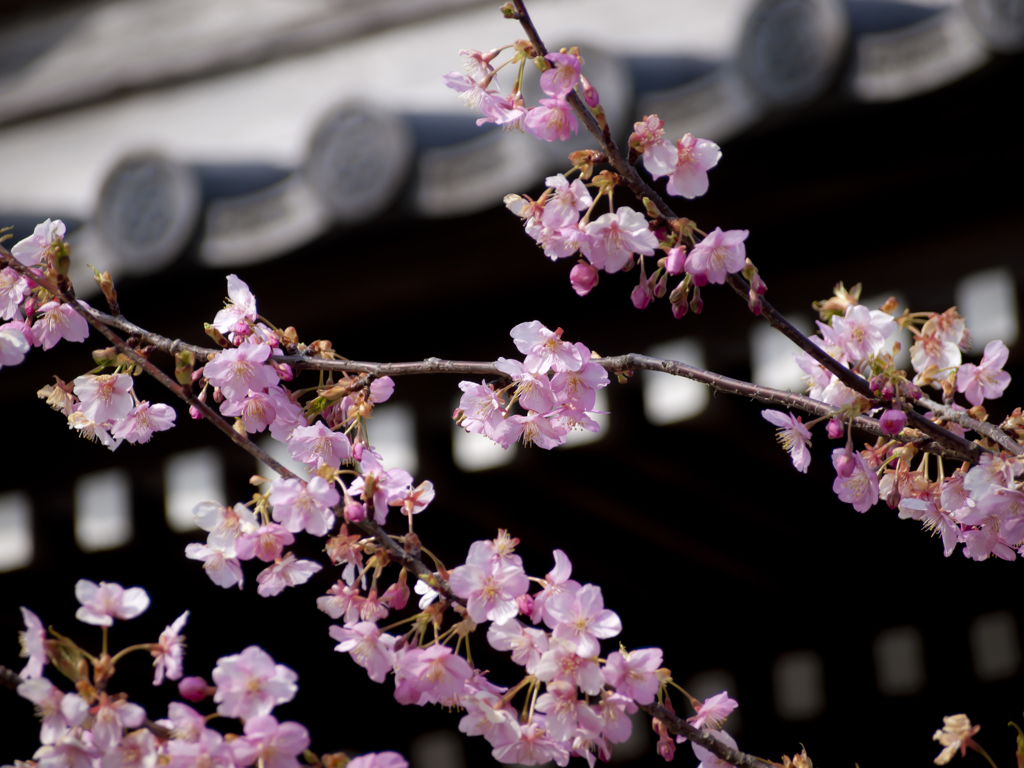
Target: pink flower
58, 710
581, 618
142, 421
613, 710
317, 445
265, 543
167, 658
713, 711
69, 753
792, 435
256, 411
438, 675
985, 381
534, 747
553, 120
415, 500
632, 673
862, 332
105, 398
208, 750
491, 590
544, 349
193, 689
251, 684
13, 288
370, 649
224, 524
556, 582
275, 745
564, 712
688, 168
509, 113
113, 715
860, 487
561, 662
33, 645
56, 322
534, 390
482, 408
13, 345
219, 562
564, 206
380, 486
287, 573
341, 599
474, 94
718, 254
241, 307
378, 760
103, 603
490, 716
615, 237
563, 77
526, 643
47, 237
302, 506
135, 750
237, 371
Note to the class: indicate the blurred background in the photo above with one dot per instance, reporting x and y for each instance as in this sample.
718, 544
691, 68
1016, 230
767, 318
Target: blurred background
309, 147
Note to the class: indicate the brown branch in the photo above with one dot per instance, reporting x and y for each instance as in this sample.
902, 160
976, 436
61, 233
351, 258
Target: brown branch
641, 189
677, 725
991, 431
171, 347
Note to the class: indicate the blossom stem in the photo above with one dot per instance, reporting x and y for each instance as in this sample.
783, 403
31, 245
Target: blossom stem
103, 647
125, 651
981, 751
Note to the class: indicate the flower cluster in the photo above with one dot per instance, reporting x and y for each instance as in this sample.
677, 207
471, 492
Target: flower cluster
90, 728
554, 634
556, 384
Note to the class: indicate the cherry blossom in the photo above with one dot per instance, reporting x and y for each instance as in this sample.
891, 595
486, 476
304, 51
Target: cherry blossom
251, 684
13, 288
615, 237
167, 658
490, 589
792, 435
561, 662
985, 381
44, 240
256, 411
369, 648
581, 618
208, 750
481, 407
33, 645
13, 346
562, 77
713, 711
473, 93
567, 200
533, 747
219, 562
265, 543
275, 745
584, 277
632, 673
136, 750
302, 506
379, 760
660, 156
104, 602
70, 752
237, 371
317, 445
142, 421
860, 487
687, 168
59, 711
241, 307
112, 716
287, 573
892, 421
862, 332
554, 119
56, 322
717, 255
106, 397
544, 349
955, 735
380, 486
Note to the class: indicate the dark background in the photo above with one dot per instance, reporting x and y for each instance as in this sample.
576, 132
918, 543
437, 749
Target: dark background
703, 537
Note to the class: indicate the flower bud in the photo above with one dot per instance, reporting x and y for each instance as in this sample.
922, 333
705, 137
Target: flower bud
835, 429
284, 371
590, 94
892, 421
525, 604
396, 596
680, 308
675, 262
912, 390
583, 277
845, 465
876, 383
355, 512
888, 391
194, 689
695, 303
640, 296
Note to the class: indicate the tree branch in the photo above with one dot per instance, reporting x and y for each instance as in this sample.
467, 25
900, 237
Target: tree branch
991, 431
678, 726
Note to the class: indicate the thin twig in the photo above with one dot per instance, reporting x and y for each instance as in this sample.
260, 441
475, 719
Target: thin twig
991, 431
677, 725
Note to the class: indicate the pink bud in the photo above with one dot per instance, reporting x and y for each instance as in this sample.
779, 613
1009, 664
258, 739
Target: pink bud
888, 392
241, 328
834, 429
525, 604
679, 309
397, 595
590, 94
583, 277
357, 451
696, 303
675, 263
194, 689
913, 391
218, 397
284, 371
845, 465
355, 512
892, 421
641, 296
194, 412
